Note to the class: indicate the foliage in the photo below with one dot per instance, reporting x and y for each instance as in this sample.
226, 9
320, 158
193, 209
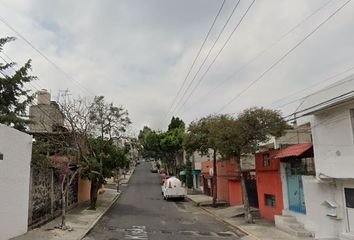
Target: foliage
242, 135
14, 98
40, 153
176, 123
189, 175
108, 120
203, 135
106, 157
150, 142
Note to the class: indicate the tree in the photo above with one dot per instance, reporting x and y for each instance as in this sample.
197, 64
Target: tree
94, 125
150, 143
14, 98
103, 160
171, 144
176, 123
202, 136
109, 120
189, 174
242, 136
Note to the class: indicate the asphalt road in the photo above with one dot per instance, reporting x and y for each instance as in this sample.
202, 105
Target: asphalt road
141, 213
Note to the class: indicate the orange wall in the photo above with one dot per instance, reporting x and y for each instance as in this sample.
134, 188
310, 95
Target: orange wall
269, 182
84, 190
229, 188
235, 191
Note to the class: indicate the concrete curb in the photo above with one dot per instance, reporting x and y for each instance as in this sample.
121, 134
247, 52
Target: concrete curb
100, 216
230, 224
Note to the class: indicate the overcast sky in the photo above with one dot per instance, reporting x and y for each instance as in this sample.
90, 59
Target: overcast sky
137, 52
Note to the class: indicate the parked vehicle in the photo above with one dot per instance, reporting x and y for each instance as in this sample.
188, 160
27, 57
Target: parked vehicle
153, 169
163, 180
172, 188
162, 171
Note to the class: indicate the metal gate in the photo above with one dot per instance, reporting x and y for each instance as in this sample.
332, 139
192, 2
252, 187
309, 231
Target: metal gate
295, 192
251, 187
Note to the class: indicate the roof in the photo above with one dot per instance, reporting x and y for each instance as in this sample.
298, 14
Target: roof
294, 150
338, 93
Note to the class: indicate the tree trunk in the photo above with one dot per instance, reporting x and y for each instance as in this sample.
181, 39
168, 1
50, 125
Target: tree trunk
215, 186
63, 209
246, 204
93, 194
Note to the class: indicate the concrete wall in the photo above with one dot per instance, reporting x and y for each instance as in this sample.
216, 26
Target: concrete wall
44, 117
333, 142
14, 181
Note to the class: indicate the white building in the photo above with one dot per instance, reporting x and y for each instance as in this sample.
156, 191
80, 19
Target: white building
329, 196
15, 160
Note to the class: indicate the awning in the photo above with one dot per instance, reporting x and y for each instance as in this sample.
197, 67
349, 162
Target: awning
294, 150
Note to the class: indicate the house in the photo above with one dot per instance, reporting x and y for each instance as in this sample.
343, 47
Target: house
47, 122
329, 195
228, 181
271, 165
15, 161
269, 185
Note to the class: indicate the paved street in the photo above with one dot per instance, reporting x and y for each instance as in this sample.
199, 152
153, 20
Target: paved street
141, 213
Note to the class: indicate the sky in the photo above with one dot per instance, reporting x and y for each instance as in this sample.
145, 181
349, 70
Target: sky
138, 53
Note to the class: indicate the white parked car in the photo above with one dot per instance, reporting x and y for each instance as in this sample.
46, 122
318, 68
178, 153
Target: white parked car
172, 188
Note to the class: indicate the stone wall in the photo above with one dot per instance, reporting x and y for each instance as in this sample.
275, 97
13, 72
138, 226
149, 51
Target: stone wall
45, 196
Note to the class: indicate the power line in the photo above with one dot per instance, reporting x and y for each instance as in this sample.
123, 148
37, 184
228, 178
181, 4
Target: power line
196, 57
282, 57
312, 86
215, 58
261, 53
67, 75
208, 54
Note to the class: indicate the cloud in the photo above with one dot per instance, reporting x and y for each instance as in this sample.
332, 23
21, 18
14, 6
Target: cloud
137, 53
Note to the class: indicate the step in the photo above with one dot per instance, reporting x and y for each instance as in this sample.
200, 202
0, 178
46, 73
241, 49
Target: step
346, 236
290, 225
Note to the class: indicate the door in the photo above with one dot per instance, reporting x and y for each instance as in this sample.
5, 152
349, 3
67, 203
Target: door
349, 202
295, 192
251, 188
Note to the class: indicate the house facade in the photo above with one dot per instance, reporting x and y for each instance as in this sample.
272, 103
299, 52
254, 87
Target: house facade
275, 162
269, 184
329, 195
15, 161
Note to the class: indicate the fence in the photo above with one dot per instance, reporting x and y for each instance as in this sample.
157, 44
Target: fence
45, 196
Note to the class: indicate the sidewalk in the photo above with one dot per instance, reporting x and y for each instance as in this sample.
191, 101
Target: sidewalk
261, 230
80, 219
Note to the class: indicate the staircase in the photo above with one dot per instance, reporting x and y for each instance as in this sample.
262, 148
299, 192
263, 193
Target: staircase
290, 225
347, 236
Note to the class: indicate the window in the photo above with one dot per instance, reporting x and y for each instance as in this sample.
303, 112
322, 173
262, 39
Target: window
266, 160
1, 156
349, 197
269, 200
302, 166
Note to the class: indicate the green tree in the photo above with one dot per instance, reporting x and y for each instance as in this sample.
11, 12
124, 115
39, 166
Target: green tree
150, 143
171, 144
176, 123
241, 136
203, 136
104, 159
14, 98
189, 174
